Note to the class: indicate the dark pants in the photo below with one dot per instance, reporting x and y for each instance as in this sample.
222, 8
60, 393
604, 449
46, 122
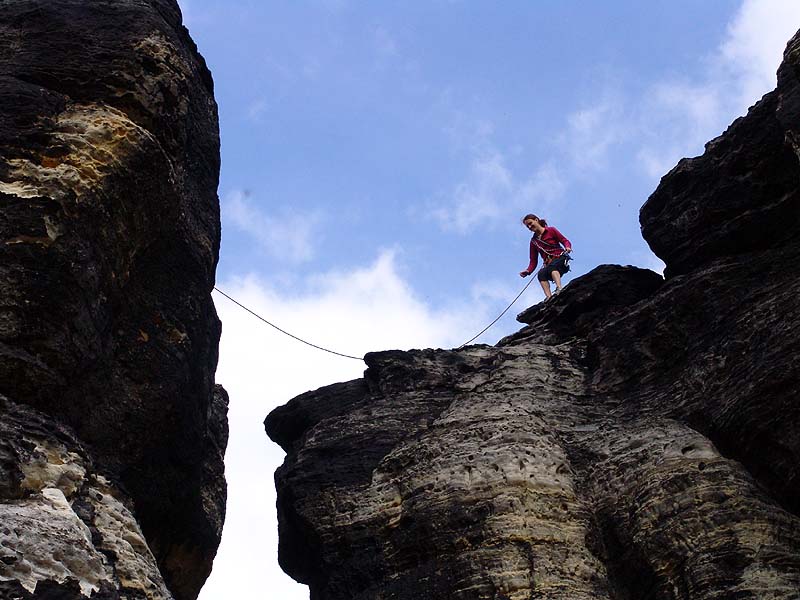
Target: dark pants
558, 264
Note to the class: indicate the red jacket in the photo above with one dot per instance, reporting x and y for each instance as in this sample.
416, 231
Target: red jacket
548, 246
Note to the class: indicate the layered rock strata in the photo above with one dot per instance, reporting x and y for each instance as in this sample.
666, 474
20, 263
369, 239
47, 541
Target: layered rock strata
638, 439
109, 237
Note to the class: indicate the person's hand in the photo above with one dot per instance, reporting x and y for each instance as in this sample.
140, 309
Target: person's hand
568, 250
524, 273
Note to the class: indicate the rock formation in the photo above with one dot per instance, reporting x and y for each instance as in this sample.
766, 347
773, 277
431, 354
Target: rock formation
638, 439
111, 429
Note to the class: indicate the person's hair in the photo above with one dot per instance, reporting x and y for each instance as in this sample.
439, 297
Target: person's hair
535, 218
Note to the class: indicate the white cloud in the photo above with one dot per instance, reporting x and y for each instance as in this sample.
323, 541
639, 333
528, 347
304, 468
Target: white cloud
290, 236
658, 161
671, 119
647, 260
369, 308
592, 131
477, 200
491, 194
757, 37
680, 115
499, 292
675, 117
541, 191
257, 109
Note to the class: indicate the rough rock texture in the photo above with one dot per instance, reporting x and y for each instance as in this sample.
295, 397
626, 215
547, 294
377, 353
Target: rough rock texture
637, 440
109, 236
62, 521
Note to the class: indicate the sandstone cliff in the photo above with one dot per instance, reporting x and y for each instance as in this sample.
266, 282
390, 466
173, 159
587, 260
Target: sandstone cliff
111, 473
638, 439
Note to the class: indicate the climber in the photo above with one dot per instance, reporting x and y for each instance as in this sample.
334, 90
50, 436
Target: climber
548, 242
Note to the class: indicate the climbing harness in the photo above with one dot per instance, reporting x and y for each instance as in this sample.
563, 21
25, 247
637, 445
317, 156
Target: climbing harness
539, 243
565, 255
551, 256
568, 257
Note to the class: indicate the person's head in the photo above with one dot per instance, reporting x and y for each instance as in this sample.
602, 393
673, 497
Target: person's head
530, 222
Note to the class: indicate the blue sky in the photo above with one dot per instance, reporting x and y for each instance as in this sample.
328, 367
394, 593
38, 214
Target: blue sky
377, 158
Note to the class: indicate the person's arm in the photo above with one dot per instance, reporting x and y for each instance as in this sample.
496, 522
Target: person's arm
533, 263
562, 240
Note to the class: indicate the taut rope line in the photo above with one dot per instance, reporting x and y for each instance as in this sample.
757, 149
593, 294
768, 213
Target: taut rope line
285, 332
256, 315
498, 317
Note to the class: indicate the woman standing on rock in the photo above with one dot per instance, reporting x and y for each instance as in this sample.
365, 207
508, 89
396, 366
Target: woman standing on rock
553, 247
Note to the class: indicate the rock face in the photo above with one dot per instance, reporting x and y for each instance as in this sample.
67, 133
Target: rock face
113, 431
638, 439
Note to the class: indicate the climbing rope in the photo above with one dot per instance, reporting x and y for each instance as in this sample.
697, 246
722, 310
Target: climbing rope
485, 329
255, 314
285, 332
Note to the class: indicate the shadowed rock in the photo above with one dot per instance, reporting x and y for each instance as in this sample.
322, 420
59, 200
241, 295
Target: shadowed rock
109, 237
637, 440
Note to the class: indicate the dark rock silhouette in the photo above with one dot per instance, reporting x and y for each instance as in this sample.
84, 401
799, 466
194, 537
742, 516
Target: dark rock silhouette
638, 439
109, 237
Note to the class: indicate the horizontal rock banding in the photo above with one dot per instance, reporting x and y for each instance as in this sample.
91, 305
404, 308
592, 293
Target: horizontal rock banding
638, 439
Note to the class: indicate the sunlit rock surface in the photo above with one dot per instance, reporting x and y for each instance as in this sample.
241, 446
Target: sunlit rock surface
638, 439
63, 522
109, 237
